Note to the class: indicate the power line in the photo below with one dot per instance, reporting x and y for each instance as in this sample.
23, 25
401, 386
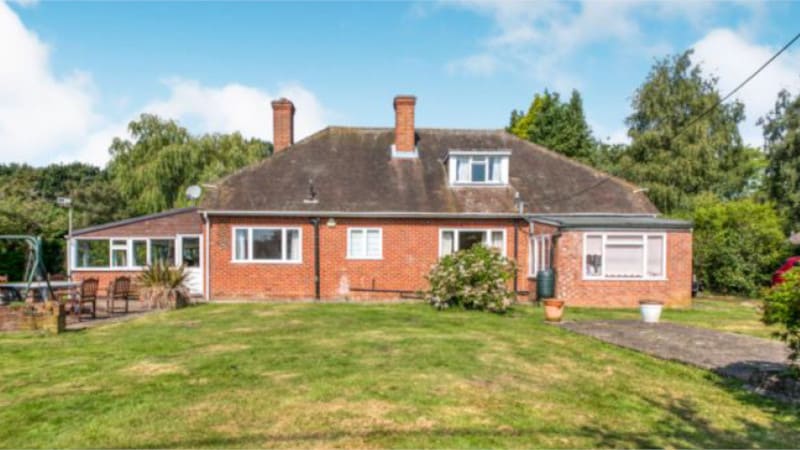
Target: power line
741, 85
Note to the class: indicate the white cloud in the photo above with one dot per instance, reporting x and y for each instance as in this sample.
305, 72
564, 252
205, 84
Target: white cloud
38, 111
45, 118
733, 58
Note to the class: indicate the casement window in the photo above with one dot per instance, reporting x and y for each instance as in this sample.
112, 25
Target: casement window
621, 255
364, 243
540, 251
119, 253
454, 240
469, 168
122, 253
267, 244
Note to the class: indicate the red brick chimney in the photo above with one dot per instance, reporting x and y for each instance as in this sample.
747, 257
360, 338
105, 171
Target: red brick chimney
282, 124
404, 140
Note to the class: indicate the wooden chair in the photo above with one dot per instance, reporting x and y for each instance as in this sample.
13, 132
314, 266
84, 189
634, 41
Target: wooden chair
119, 290
87, 294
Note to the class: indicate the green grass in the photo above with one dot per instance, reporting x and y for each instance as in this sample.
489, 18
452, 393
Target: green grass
302, 375
731, 314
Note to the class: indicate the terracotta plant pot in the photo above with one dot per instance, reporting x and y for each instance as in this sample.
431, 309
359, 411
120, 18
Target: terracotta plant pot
553, 310
651, 310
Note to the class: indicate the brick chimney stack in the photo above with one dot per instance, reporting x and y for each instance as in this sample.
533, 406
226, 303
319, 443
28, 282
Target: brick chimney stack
282, 124
404, 134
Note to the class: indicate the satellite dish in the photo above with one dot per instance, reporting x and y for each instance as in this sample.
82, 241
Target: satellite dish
193, 192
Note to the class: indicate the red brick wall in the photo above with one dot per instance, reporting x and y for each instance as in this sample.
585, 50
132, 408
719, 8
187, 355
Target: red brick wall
188, 222
571, 287
410, 248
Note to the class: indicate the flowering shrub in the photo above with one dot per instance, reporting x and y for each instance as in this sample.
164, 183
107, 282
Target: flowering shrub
782, 306
476, 278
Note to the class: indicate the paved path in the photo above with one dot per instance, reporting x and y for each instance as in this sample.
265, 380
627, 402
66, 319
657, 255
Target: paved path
728, 354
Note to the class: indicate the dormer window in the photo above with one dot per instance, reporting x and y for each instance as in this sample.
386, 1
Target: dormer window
478, 168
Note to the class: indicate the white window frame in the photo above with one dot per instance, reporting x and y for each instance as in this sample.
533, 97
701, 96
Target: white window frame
644, 235
284, 247
129, 266
365, 230
455, 155
487, 236
535, 252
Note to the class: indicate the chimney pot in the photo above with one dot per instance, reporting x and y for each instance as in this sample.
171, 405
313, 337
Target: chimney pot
282, 124
404, 132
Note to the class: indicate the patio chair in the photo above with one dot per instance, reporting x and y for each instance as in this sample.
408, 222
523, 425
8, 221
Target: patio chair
87, 294
118, 290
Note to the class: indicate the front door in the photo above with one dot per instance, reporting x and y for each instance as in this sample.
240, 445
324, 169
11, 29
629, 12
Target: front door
189, 256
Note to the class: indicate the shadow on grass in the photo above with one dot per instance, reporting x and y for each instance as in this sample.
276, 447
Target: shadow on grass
683, 425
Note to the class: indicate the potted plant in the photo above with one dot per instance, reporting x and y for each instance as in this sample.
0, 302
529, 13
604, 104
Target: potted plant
163, 287
553, 310
651, 310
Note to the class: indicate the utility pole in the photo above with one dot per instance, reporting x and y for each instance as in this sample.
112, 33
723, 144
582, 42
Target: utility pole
66, 202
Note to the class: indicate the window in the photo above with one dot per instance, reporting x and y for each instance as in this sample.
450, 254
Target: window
162, 251
624, 256
119, 253
540, 253
478, 168
127, 253
190, 251
451, 241
91, 253
139, 252
265, 244
364, 243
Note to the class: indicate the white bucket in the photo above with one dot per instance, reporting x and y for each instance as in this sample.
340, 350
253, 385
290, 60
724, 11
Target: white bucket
651, 311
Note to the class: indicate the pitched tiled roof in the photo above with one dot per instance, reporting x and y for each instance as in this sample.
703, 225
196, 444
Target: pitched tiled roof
353, 172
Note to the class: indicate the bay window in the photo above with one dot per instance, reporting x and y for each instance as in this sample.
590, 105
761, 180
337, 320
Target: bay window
624, 255
454, 240
266, 244
364, 243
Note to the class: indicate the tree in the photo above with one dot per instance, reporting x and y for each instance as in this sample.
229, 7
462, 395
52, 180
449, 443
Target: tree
152, 171
737, 243
677, 152
781, 128
556, 125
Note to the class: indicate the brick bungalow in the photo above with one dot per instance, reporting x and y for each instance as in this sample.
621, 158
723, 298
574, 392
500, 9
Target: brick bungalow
363, 213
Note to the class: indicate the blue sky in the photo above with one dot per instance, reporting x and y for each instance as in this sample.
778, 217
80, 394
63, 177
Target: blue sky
75, 73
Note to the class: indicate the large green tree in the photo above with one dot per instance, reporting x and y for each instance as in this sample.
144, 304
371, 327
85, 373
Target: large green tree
557, 125
781, 128
680, 146
152, 171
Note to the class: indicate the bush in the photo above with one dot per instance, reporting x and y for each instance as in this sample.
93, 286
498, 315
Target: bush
163, 287
476, 278
782, 307
737, 244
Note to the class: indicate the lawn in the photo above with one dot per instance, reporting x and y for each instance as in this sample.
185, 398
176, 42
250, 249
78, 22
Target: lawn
731, 314
302, 375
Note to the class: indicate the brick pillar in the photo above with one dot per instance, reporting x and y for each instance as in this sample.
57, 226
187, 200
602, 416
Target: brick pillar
404, 140
282, 124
